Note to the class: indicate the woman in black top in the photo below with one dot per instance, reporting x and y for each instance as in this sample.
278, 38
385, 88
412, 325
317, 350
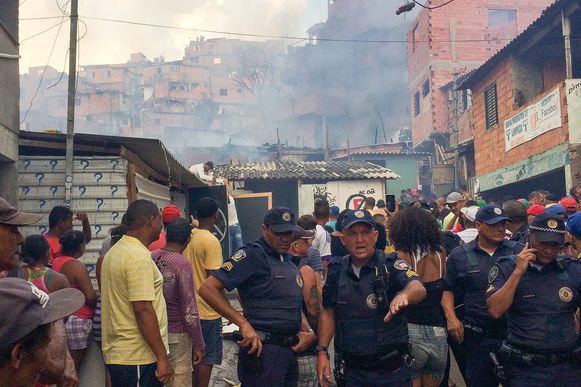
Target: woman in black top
416, 238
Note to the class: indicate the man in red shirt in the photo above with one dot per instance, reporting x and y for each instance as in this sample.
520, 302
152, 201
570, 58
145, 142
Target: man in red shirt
60, 220
168, 214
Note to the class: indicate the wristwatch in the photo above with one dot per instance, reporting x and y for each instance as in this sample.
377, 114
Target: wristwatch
320, 348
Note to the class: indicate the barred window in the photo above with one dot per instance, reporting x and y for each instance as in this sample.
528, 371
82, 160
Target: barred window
491, 106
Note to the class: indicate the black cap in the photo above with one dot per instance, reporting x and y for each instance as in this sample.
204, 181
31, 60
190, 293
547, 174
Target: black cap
491, 214
30, 307
356, 216
548, 228
281, 219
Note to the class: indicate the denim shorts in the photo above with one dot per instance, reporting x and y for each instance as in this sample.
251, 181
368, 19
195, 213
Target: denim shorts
212, 333
429, 348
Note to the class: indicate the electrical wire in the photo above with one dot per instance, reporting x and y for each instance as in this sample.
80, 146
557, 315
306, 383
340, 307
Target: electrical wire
434, 7
42, 32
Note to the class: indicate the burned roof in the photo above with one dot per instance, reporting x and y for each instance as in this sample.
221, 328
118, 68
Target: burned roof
310, 170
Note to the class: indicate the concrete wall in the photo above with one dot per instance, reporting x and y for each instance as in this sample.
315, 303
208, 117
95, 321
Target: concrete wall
9, 99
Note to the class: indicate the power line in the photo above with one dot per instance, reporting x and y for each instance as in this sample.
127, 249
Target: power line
434, 7
41, 32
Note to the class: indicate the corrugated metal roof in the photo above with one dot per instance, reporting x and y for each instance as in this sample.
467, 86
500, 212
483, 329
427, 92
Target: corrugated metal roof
550, 12
151, 151
315, 170
404, 153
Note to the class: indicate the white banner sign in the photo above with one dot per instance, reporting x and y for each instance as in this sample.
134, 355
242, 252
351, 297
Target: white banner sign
533, 121
573, 89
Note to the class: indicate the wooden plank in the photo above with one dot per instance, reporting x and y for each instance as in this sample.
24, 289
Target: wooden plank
62, 145
141, 166
255, 195
131, 186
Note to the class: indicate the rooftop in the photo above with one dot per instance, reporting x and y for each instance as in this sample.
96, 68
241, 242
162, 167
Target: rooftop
315, 170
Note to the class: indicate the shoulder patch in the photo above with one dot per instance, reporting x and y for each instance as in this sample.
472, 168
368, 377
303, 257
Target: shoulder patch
299, 279
565, 294
239, 256
490, 288
410, 273
492, 274
227, 266
402, 265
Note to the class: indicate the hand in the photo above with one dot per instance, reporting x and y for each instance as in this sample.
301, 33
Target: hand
523, 258
305, 340
323, 369
399, 302
456, 329
198, 356
194, 222
82, 216
251, 339
164, 372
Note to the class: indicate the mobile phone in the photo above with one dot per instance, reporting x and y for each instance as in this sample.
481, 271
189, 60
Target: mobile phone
390, 202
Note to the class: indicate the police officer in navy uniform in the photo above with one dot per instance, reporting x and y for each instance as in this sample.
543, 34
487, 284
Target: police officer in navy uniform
539, 291
273, 327
466, 282
364, 298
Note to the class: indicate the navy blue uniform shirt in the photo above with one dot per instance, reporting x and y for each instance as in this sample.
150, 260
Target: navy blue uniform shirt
541, 317
469, 284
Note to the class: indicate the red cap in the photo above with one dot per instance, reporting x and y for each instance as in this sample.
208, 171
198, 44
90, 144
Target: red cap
169, 213
535, 209
568, 202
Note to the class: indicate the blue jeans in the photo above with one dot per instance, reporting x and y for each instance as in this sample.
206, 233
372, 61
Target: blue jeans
212, 334
479, 367
235, 237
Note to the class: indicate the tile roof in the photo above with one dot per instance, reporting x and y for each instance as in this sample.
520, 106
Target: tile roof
324, 170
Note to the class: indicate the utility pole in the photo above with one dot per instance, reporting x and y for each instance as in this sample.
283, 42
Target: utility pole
455, 107
71, 103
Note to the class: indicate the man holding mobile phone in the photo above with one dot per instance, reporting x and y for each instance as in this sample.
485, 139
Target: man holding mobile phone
539, 290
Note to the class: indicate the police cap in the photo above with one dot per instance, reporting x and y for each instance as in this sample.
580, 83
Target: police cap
281, 219
548, 228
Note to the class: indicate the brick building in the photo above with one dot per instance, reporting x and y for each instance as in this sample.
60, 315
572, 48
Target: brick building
445, 44
526, 103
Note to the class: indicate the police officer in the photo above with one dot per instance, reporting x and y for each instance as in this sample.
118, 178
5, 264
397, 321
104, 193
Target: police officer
363, 301
273, 327
467, 280
539, 291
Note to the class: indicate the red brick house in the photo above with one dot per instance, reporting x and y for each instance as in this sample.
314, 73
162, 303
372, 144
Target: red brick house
526, 113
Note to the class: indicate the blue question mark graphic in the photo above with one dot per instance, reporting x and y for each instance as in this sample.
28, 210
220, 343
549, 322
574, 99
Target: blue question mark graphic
114, 190
82, 190
42, 230
42, 203
115, 215
98, 176
39, 176
84, 164
99, 203
115, 163
97, 229
26, 190
26, 164
53, 164
54, 189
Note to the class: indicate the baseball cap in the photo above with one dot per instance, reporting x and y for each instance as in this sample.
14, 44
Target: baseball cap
454, 197
491, 214
30, 308
334, 210
526, 203
470, 212
281, 219
574, 224
568, 202
548, 228
169, 213
357, 216
304, 234
556, 209
10, 215
535, 209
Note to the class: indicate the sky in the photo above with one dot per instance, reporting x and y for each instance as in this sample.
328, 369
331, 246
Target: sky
106, 42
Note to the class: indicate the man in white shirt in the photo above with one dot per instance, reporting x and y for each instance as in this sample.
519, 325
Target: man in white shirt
470, 231
205, 172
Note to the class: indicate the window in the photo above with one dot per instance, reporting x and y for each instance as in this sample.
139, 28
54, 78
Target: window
426, 88
93, 74
108, 73
501, 17
491, 106
174, 68
417, 103
157, 122
223, 92
159, 70
217, 60
466, 100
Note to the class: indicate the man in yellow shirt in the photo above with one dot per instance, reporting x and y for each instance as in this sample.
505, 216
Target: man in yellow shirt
455, 202
205, 254
134, 317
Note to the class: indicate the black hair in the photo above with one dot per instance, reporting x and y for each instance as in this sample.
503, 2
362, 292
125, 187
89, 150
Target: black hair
535, 194
206, 208
58, 214
470, 203
463, 187
573, 190
139, 212
35, 249
209, 164
117, 233
516, 211
322, 209
38, 338
370, 201
307, 222
414, 228
178, 231
71, 241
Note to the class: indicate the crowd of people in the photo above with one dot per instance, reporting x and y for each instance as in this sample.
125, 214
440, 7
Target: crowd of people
393, 292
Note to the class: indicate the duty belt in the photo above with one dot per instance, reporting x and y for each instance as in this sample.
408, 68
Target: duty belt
280, 340
390, 361
484, 332
515, 356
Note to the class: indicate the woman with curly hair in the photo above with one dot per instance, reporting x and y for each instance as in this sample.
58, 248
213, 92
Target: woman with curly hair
416, 238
